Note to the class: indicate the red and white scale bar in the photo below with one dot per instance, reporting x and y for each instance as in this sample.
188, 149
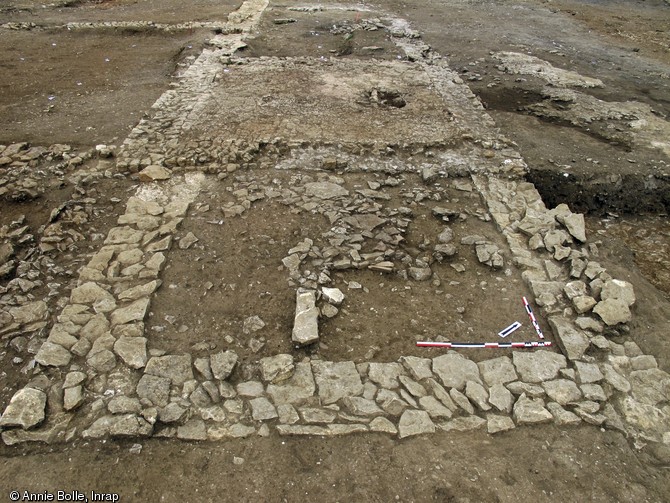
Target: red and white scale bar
486, 345
536, 325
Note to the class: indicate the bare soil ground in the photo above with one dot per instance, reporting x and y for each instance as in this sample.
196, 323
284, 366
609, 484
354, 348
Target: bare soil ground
90, 87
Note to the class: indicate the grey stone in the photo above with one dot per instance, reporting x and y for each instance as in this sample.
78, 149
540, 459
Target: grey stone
477, 395
643, 362
648, 419
122, 404
501, 398
532, 390
391, 402
153, 173
497, 424
359, 406
25, 409
314, 415
461, 400
614, 379
130, 426
538, 366
305, 324
446, 236
613, 311
287, 414
463, 424
651, 386
250, 389
90, 293
73, 397
297, 388
435, 408
531, 411
103, 361
413, 387
199, 396
187, 241
419, 368
223, 364
100, 427
155, 389
415, 422
336, 380
441, 394
137, 292
171, 413
325, 190
619, 290
562, 391
193, 429
132, 350
326, 431
497, 371
177, 368
333, 295
385, 374
74, 378
202, 366
562, 417
574, 222
133, 312
420, 273
455, 370
53, 355
383, 425
588, 323
262, 409
588, 372
575, 289
593, 392
583, 303
277, 368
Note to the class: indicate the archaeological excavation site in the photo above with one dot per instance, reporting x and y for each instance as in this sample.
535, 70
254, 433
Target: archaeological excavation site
335, 251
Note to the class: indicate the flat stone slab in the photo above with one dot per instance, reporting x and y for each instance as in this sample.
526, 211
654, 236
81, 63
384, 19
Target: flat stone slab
415, 422
538, 366
455, 370
336, 380
25, 409
306, 323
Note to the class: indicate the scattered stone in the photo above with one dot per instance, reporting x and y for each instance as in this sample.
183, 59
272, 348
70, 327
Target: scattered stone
305, 325
415, 422
325, 190
252, 324
223, 364
187, 241
333, 295
420, 273
25, 409
133, 312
